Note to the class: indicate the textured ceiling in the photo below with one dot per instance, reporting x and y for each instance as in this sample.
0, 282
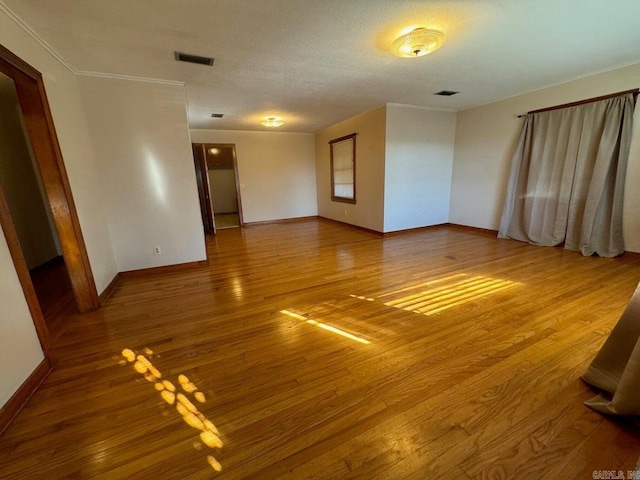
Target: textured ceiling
316, 62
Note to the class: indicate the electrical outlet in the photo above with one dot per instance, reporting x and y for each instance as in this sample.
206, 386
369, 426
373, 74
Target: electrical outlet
156, 251
345, 213
420, 215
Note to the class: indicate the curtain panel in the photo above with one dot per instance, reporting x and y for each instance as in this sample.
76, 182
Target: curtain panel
566, 185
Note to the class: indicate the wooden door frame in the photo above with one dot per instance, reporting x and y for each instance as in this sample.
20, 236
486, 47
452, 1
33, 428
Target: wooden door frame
237, 175
232, 146
40, 126
204, 187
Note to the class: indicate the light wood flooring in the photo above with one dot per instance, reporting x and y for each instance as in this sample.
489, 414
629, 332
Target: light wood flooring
326, 352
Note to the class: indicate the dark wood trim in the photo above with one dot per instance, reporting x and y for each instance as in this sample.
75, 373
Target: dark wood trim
204, 189
486, 231
335, 198
104, 296
588, 100
342, 199
39, 121
342, 139
314, 217
354, 227
414, 230
73, 246
25, 278
632, 255
236, 173
178, 268
281, 220
12, 65
19, 399
217, 145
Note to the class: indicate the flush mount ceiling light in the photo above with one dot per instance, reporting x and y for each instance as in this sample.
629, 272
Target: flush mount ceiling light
417, 43
272, 122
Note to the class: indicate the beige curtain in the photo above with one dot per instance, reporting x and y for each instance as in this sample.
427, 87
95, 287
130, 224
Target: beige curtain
616, 368
566, 184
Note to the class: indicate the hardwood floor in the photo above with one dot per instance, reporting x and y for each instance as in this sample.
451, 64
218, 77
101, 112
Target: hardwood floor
327, 352
53, 289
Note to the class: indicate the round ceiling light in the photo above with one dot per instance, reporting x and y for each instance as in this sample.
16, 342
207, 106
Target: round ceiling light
272, 122
417, 43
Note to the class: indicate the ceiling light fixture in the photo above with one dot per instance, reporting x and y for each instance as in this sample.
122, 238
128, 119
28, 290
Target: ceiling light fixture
417, 43
272, 122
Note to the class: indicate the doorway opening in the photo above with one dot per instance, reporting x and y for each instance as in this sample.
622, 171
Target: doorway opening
57, 220
218, 185
30, 211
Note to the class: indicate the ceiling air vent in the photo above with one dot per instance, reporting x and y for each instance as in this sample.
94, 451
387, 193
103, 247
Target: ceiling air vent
445, 93
187, 57
217, 115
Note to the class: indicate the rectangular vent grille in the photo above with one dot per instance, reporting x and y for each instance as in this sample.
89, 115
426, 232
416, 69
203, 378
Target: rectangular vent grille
217, 115
446, 93
187, 57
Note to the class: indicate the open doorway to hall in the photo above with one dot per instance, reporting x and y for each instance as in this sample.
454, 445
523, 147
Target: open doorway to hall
29, 208
38, 218
218, 185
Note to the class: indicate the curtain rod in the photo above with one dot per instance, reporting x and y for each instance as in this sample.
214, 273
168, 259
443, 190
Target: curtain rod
635, 92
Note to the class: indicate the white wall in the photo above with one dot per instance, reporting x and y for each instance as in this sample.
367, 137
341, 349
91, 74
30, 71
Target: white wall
143, 153
20, 183
486, 137
368, 211
418, 166
64, 101
223, 190
19, 349
276, 171
86, 186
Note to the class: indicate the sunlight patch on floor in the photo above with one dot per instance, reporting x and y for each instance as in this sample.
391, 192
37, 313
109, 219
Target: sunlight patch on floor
171, 395
443, 293
326, 327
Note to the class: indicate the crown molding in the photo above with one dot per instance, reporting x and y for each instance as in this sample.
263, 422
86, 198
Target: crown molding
29, 31
117, 76
558, 84
43, 43
420, 107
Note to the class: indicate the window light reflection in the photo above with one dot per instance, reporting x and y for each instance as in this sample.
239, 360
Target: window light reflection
445, 293
326, 327
236, 285
425, 284
156, 178
209, 434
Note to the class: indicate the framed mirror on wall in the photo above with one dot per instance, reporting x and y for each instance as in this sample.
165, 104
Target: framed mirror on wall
343, 168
